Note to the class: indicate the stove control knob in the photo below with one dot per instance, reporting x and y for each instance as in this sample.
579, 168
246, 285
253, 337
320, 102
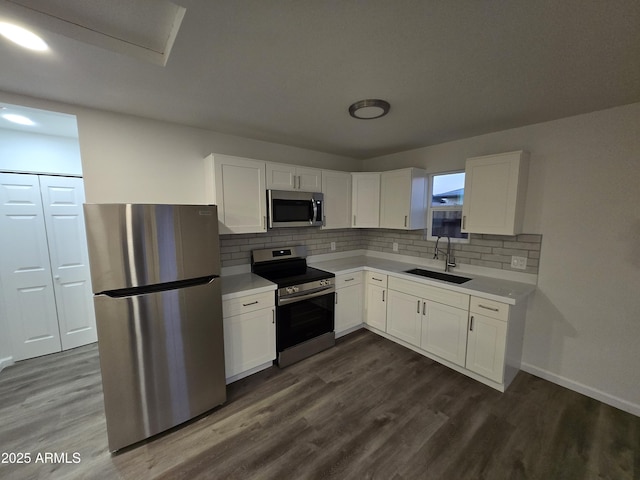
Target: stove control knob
289, 290
295, 289
323, 283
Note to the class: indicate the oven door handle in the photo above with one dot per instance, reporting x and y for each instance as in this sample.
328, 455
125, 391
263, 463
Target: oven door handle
306, 295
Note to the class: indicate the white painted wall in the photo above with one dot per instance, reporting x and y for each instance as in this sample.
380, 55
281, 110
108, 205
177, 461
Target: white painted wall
24, 152
131, 159
583, 326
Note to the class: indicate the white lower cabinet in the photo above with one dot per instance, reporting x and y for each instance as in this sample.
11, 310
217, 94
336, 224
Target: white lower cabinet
376, 300
417, 315
486, 346
444, 332
404, 317
348, 313
249, 334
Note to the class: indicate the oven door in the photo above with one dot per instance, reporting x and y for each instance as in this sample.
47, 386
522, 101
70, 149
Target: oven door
294, 209
304, 318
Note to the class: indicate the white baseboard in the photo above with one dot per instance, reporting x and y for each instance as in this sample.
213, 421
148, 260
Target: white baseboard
251, 371
625, 405
5, 362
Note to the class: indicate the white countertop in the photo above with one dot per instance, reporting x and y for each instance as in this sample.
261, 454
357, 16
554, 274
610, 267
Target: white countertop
234, 286
500, 290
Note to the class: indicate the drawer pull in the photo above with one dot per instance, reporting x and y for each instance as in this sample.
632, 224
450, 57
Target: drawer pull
376, 279
493, 309
349, 279
252, 303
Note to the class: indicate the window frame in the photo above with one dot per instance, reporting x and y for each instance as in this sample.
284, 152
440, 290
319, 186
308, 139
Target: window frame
430, 209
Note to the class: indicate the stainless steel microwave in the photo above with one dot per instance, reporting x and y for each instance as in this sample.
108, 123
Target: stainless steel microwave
294, 209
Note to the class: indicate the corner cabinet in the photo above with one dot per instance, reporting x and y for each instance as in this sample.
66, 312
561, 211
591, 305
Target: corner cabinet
336, 187
237, 186
403, 199
282, 176
495, 190
249, 334
365, 200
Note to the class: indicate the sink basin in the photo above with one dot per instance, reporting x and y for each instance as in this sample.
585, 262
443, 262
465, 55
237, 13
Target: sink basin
438, 275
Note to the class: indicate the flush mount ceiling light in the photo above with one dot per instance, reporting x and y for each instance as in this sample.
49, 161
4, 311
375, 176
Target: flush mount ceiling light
23, 37
369, 109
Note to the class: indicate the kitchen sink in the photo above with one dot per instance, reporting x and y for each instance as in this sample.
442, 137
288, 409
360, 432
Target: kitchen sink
438, 275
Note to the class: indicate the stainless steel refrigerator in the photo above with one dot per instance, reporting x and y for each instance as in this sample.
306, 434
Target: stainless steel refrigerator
155, 275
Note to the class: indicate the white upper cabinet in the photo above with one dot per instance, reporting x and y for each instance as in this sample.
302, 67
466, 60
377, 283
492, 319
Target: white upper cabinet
403, 199
336, 187
236, 185
282, 176
365, 200
495, 189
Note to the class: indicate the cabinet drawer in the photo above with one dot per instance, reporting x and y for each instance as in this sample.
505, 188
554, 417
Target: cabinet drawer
348, 279
489, 308
377, 278
435, 294
250, 303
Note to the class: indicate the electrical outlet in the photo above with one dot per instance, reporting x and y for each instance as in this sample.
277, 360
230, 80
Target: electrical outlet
519, 262
333, 246
395, 246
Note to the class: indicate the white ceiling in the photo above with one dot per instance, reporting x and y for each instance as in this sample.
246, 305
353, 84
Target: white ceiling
286, 71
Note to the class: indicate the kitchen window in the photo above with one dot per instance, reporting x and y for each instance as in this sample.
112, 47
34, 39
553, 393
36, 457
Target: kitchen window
445, 206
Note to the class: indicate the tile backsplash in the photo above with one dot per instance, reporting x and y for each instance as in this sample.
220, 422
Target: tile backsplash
493, 251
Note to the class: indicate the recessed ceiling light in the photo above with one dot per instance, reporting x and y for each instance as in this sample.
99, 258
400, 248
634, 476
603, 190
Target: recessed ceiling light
19, 119
22, 37
369, 109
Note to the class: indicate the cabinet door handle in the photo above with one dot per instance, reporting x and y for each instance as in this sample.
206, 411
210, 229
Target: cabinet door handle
471, 324
324, 220
464, 221
418, 310
489, 308
273, 315
383, 292
354, 220
405, 220
252, 303
424, 308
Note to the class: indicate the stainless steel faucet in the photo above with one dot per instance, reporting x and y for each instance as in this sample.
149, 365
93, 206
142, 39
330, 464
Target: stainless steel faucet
449, 261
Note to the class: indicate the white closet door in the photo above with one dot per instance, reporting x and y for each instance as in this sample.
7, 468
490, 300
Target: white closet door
24, 266
62, 199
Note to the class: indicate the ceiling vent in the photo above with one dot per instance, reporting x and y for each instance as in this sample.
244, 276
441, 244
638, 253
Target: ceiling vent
144, 29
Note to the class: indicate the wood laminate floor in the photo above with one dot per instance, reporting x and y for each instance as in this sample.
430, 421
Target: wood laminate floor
367, 408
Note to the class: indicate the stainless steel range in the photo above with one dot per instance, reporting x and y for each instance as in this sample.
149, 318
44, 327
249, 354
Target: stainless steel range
305, 302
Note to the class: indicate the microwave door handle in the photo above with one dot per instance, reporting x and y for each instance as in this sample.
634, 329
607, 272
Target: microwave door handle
315, 211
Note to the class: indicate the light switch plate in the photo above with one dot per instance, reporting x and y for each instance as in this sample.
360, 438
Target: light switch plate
519, 262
